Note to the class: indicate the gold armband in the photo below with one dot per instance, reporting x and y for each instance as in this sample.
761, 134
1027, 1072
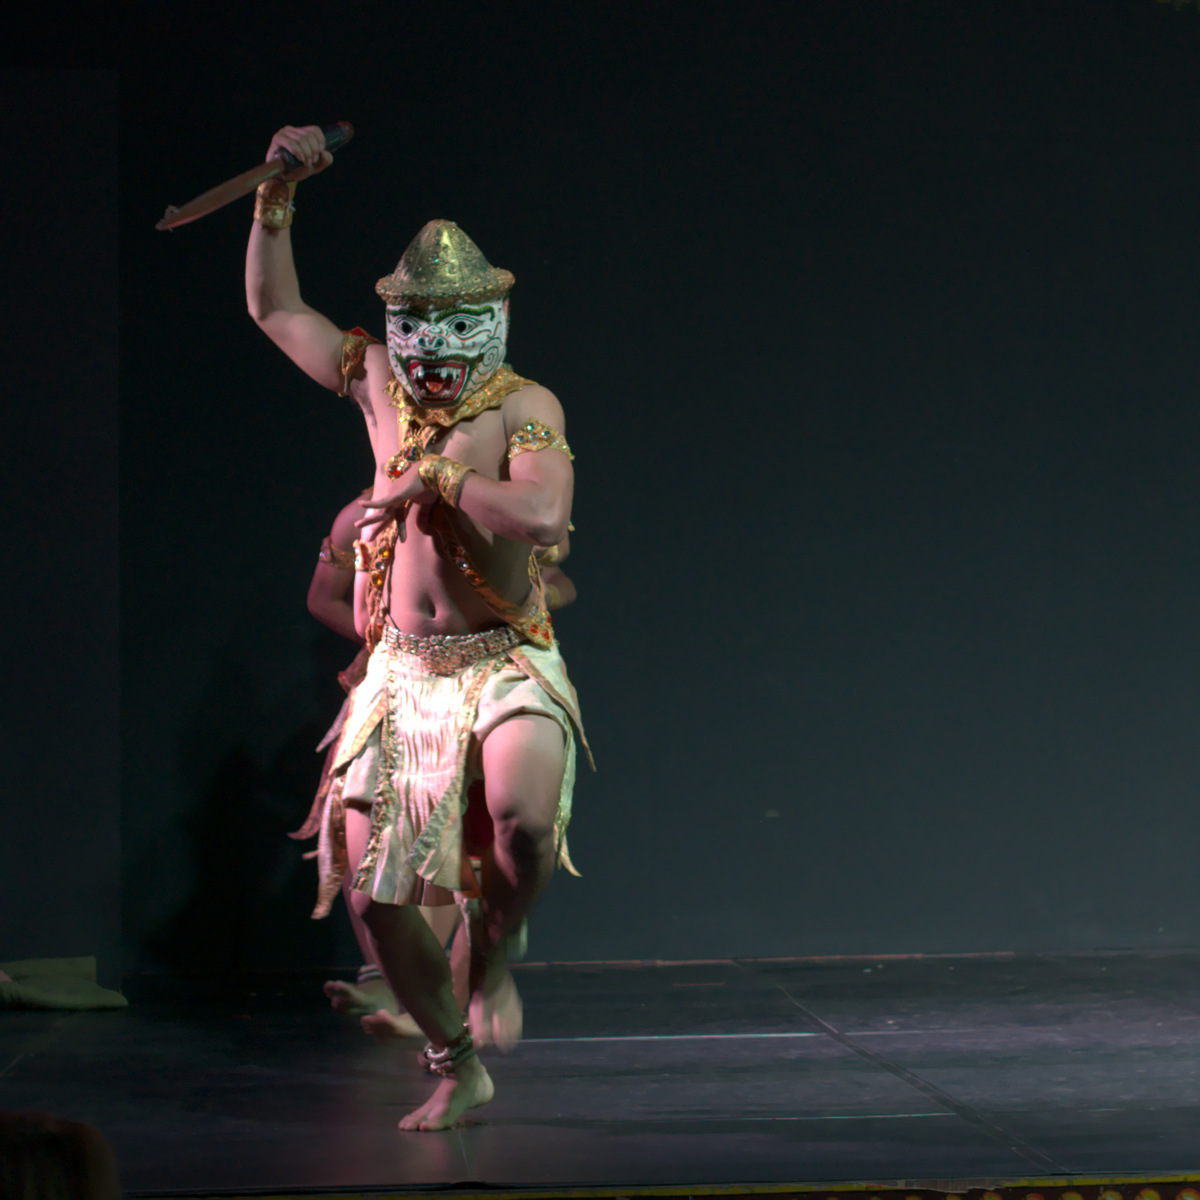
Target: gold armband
533, 435
354, 348
273, 207
334, 556
444, 476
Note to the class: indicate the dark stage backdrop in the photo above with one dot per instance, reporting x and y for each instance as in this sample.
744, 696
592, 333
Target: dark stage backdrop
875, 325
59, 843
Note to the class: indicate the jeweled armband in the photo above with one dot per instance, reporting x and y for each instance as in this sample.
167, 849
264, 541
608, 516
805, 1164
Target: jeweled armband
273, 207
334, 556
444, 476
354, 347
533, 435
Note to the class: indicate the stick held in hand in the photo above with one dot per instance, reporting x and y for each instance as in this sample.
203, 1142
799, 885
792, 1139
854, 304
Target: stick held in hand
336, 136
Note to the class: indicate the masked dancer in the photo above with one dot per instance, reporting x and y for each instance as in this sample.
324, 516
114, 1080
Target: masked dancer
464, 680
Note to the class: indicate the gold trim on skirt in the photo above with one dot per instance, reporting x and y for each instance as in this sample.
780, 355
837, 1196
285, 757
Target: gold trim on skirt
407, 751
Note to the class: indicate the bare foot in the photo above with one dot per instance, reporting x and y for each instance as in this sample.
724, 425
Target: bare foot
469, 1087
357, 998
387, 1027
496, 1013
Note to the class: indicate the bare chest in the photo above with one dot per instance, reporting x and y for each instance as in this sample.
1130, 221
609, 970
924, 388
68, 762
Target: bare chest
478, 442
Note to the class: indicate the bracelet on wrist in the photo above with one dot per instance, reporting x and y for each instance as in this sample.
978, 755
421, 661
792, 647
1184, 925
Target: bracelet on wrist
273, 207
444, 476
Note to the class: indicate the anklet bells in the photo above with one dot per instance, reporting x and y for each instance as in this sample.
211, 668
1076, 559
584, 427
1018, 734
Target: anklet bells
443, 1062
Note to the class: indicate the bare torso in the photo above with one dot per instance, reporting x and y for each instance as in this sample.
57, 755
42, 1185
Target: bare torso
428, 594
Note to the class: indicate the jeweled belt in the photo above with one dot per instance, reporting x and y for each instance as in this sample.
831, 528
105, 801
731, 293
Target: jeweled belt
446, 654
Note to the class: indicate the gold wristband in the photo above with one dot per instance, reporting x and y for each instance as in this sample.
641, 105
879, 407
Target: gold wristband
444, 476
273, 207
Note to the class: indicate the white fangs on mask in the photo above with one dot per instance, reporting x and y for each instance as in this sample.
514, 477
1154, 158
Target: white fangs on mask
461, 362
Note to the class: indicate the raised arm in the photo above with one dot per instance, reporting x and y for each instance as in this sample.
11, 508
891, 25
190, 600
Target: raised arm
309, 339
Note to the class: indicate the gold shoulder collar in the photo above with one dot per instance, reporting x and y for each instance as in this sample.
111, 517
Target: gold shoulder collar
491, 395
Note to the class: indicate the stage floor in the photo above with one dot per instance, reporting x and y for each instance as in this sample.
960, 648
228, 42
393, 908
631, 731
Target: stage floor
635, 1075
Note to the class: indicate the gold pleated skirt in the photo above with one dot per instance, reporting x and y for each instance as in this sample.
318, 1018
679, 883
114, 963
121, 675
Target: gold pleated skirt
408, 749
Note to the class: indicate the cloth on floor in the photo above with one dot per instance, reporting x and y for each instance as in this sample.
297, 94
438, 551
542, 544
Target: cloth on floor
55, 983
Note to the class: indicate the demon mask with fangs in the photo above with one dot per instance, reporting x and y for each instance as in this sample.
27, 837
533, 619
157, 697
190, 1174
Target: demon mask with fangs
447, 316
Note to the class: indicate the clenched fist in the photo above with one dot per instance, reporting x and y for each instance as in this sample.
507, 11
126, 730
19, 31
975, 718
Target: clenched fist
305, 143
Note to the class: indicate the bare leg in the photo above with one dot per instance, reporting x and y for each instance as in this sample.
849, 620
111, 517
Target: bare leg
364, 996
523, 760
373, 999
386, 1024
442, 919
414, 964
460, 966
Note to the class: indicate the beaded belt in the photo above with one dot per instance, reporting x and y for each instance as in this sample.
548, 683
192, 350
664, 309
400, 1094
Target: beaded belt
446, 654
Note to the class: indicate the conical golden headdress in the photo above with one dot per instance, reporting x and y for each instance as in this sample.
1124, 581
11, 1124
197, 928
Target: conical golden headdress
442, 264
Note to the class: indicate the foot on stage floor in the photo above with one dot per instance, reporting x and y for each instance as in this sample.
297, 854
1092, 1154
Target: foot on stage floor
496, 1014
469, 1087
354, 999
387, 1027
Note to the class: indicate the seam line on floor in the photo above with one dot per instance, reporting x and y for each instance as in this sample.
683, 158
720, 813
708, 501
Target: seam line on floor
995, 1131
